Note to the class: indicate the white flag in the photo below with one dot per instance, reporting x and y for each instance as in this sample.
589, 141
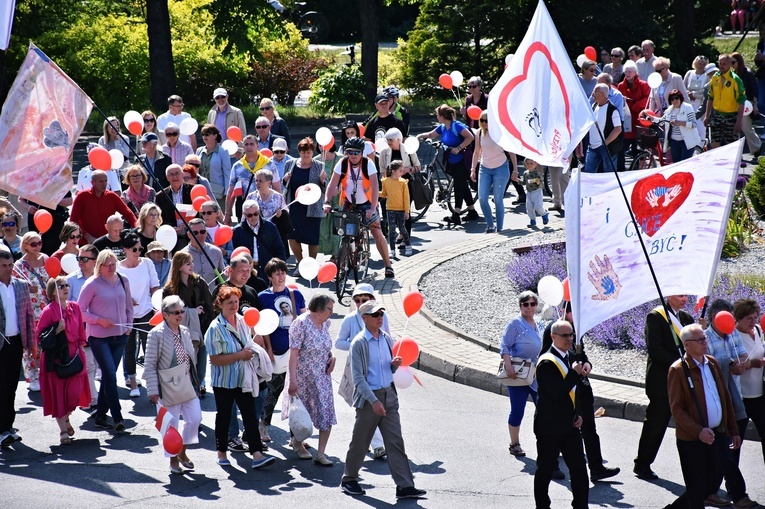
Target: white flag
682, 212
538, 108
7, 8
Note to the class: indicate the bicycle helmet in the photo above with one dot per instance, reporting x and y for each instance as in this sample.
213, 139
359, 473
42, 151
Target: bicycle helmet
354, 143
349, 123
390, 91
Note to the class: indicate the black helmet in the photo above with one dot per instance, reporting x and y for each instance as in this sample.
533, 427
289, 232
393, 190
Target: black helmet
354, 143
390, 91
350, 123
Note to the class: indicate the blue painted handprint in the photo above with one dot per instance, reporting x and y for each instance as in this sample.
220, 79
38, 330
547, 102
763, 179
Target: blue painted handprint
604, 279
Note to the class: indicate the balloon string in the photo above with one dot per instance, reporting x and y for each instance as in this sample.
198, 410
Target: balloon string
405, 326
131, 324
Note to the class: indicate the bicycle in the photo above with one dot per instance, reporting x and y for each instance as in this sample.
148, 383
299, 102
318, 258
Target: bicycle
354, 248
432, 157
650, 146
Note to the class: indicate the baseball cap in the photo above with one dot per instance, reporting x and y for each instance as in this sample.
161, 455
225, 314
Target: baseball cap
381, 98
370, 307
219, 91
155, 246
280, 144
149, 137
363, 289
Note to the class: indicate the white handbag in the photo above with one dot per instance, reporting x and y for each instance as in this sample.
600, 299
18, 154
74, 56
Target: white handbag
525, 371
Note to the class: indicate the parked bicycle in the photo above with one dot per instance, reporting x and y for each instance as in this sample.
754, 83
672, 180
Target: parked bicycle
650, 141
354, 248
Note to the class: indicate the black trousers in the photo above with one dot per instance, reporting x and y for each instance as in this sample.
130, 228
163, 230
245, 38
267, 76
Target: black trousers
657, 416
755, 409
570, 446
589, 431
700, 464
461, 185
734, 481
10, 367
224, 400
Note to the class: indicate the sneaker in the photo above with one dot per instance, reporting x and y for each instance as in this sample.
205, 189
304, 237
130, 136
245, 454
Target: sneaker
135, 393
236, 445
120, 426
300, 450
410, 492
15, 435
603, 473
103, 423
267, 460
353, 488
532, 224
408, 251
453, 219
34, 386
379, 453
472, 215
645, 473
545, 218
6, 439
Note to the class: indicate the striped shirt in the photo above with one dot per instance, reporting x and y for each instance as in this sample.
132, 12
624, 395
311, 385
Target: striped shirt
221, 338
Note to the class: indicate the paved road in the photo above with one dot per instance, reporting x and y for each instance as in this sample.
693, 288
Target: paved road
455, 436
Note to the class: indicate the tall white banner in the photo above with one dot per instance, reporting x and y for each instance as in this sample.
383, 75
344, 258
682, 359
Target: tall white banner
538, 109
682, 214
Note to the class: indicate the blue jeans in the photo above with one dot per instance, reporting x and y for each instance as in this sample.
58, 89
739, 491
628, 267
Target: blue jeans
108, 352
202, 363
598, 156
497, 177
519, 394
679, 151
233, 427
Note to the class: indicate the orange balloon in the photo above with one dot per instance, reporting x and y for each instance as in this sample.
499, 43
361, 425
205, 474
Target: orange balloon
198, 202
412, 302
407, 349
172, 441
327, 272
567, 290
234, 133
251, 317
267, 152
591, 53
361, 129
293, 286
240, 250
223, 235
474, 112
725, 322
156, 319
446, 81
197, 191
43, 220
53, 267
100, 158
330, 144
135, 128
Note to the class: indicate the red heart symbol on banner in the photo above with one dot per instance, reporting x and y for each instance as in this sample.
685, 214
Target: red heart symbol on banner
655, 199
504, 113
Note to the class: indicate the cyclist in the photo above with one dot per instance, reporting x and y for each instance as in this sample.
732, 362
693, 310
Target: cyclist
355, 177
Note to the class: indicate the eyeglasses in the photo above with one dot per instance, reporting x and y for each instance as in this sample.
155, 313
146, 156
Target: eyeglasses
9, 224
72, 237
528, 304
616, 56
277, 152
265, 108
85, 259
700, 341
61, 286
472, 86
176, 313
484, 120
353, 152
361, 300
134, 249
171, 134
207, 212
252, 214
153, 214
149, 119
219, 97
135, 176
199, 232
569, 335
35, 244
376, 314
262, 126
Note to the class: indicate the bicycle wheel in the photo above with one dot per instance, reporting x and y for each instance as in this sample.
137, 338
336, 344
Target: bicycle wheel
643, 161
343, 268
414, 212
362, 254
314, 27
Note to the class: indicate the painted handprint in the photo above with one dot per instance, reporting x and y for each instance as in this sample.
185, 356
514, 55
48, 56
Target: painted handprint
604, 279
672, 193
652, 198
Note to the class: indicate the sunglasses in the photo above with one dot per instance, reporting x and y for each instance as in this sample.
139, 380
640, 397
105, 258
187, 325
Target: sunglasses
353, 152
252, 214
150, 119
72, 237
199, 232
484, 121
134, 249
376, 314
207, 212
9, 224
472, 86
85, 259
278, 152
261, 127
35, 244
195, 165
61, 286
171, 134
265, 108
176, 313
616, 56
661, 69
361, 300
529, 304
218, 98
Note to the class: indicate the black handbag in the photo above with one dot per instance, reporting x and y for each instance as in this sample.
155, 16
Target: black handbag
71, 368
48, 337
419, 192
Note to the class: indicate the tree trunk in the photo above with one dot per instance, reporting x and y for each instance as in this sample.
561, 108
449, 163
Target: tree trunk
369, 12
684, 34
161, 68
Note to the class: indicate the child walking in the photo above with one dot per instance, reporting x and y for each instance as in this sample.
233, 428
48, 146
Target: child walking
396, 191
532, 180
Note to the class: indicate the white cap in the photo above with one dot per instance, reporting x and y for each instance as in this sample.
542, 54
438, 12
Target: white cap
280, 144
219, 91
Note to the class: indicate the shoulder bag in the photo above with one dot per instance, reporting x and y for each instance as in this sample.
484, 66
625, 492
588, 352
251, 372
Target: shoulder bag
525, 371
175, 385
73, 367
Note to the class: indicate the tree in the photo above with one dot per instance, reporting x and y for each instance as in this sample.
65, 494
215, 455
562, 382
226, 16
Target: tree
161, 69
369, 17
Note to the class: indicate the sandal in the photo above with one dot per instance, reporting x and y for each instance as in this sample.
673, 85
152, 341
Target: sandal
69, 429
64, 438
389, 272
515, 450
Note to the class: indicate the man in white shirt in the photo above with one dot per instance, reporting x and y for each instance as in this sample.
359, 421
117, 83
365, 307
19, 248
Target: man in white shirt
609, 122
176, 115
645, 63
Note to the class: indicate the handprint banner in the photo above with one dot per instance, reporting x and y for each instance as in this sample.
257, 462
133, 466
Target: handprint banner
538, 108
42, 117
682, 214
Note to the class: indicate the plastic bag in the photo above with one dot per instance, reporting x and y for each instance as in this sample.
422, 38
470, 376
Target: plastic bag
300, 422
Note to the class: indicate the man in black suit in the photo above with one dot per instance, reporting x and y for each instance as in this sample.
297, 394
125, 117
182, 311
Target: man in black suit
180, 193
660, 332
556, 422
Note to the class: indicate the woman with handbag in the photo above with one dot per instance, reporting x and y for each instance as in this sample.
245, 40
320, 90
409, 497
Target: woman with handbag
272, 205
522, 341
309, 374
63, 387
227, 341
171, 379
682, 136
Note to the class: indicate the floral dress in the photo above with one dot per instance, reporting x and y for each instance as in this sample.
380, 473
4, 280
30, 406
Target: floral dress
39, 277
314, 384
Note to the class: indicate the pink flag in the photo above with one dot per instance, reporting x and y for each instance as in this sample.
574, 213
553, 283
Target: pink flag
538, 109
41, 120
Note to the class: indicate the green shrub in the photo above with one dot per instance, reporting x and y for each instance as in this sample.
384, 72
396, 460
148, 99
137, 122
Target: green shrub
339, 89
755, 188
741, 230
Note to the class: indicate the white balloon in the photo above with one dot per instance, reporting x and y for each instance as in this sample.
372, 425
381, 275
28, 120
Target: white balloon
748, 107
268, 322
323, 136
403, 377
309, 268
509, 58
550, 290
132, 116
457, 78
654, 80
580, 60
69, 263
189, 126
167, 236
229, 146
117, 159
380, 144
308, 194
156, 299
411, 144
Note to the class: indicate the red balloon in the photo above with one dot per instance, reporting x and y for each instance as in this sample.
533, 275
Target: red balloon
198, 190
412, 302
240, 250
724, 322
234, 133
327, 272
135, 128
567, 290
361, 129
172, 441
223, 235
100, 158
330, 144
591, 53
446, 81
53, 266
267, 152
762, 321
407, 349
251, 317
43, 220
156, 319
198, 202
474, 112
293, 286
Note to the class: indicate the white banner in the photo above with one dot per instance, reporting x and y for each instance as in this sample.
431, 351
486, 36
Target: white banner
682, 212
7, 7
538, 109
